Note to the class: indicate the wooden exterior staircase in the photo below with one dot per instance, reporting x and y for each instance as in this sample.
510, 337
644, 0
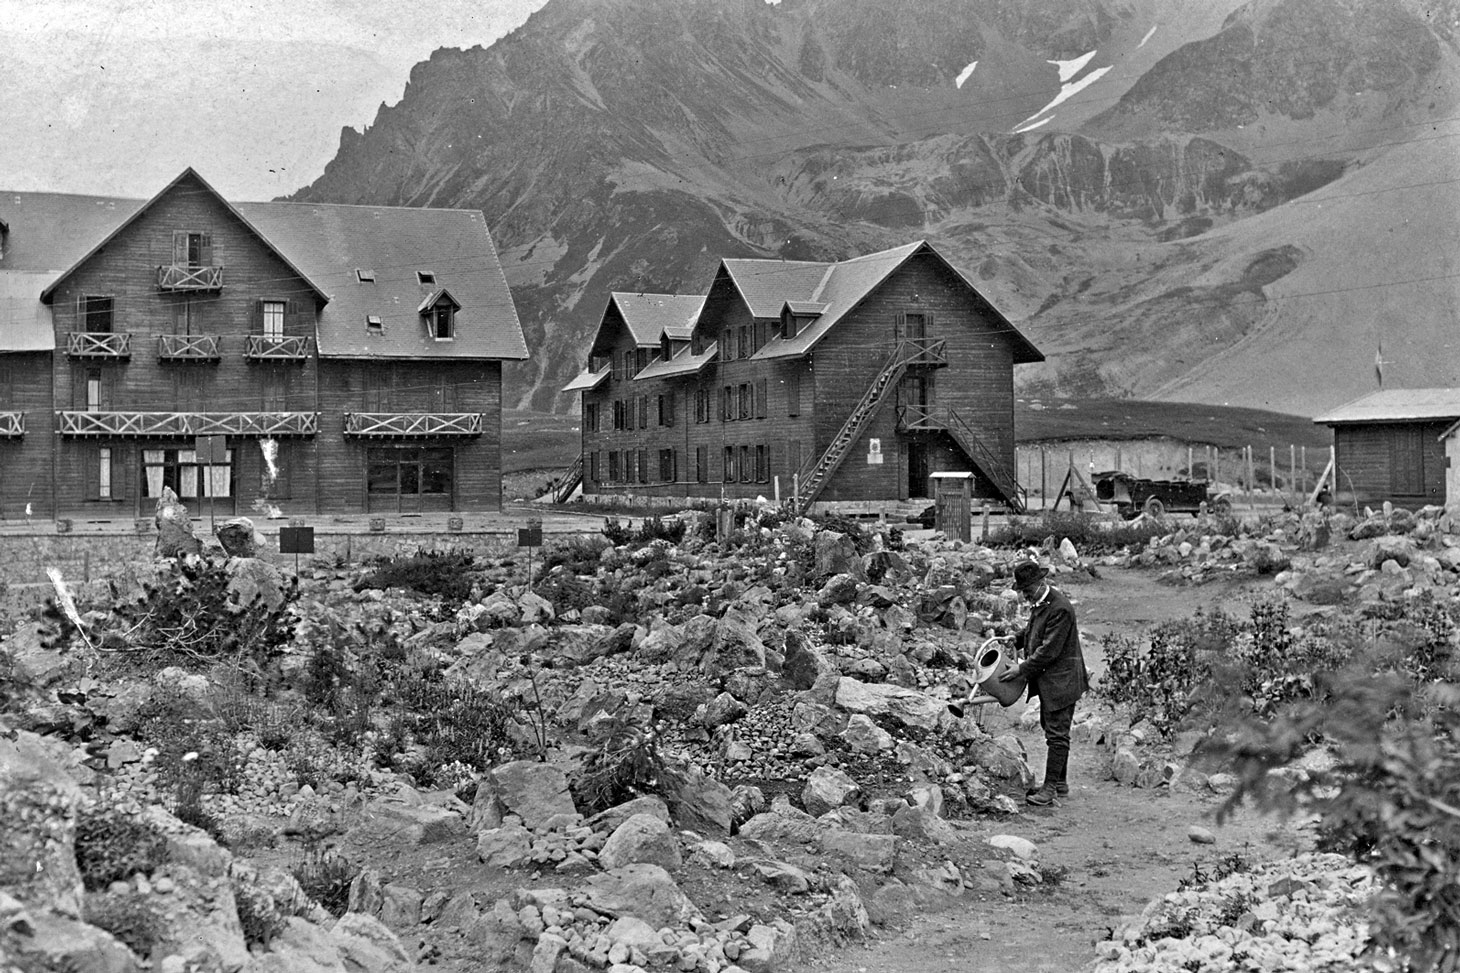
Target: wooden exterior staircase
986, 463
813, 476
570, 481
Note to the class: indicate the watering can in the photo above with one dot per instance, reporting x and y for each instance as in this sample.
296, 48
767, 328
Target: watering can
990, 662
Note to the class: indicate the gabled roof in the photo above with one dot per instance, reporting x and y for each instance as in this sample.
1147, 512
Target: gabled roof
812, 308
1397, 405
25, 323
649, 315
323, 243
185, 174
332, 239
436, 297
768, 286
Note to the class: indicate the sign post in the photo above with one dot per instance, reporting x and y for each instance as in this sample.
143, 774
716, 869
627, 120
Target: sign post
296, 540
530, 537
211, 451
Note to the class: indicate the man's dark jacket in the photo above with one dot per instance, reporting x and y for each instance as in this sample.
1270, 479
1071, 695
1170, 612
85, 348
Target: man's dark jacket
1053, 662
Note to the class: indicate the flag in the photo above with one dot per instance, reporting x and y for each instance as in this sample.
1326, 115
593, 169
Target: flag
1379, 365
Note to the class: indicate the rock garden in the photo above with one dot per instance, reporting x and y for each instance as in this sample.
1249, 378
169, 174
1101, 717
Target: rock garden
681, 747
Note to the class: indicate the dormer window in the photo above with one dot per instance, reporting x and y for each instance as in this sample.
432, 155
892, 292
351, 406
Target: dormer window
364, 276
788, 324
442, 320
426, 277
439, 310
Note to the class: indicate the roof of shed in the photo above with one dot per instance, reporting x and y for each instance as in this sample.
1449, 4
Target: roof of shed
1396, 405
684, 363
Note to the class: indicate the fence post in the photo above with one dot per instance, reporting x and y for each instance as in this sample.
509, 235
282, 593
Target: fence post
1043, 486
1293, 469
1251, 499
1190, 473
1272, 466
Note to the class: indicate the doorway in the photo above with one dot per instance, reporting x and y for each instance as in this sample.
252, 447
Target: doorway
918, 471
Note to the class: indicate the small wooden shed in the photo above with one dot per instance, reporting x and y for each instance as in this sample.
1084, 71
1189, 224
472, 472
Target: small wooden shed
1395, 445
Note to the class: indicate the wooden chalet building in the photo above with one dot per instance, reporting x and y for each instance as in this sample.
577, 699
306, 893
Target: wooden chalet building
843, 383
1394, 445
351, 356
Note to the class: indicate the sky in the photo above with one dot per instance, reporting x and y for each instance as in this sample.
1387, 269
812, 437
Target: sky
116, 97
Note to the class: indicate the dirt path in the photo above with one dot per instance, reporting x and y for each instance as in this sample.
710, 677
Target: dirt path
1122, 846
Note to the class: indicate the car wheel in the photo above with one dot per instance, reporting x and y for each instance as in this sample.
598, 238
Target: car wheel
1154, 508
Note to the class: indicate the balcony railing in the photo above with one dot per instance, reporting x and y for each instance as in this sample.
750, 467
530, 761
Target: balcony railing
12, 424
931, 352
187, 347
180, 277
99, 344
148, 424
400, 425
276, 348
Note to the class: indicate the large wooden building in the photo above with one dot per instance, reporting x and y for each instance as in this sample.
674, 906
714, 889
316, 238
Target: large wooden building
350, 356
839, 383
1394, 445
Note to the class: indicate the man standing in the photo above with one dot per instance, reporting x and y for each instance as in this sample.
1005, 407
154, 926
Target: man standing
1055, 668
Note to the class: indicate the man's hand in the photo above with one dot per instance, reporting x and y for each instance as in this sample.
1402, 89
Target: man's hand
1011, 673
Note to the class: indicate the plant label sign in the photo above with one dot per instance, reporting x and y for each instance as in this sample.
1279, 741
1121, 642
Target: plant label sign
531, 535
211, 450
296, 540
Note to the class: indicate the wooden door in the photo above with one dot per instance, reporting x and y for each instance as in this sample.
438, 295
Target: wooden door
918, 470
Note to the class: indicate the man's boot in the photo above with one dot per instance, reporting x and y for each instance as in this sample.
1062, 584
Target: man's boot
1055, 765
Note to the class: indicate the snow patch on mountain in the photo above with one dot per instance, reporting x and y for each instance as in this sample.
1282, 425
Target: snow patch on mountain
1068, 69
1067, 92
1149, 34
965, 74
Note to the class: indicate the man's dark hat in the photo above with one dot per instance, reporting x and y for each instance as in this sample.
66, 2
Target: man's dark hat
1027, 574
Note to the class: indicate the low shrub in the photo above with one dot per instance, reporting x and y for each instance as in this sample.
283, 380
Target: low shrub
326, 876
578, 554
447, 575
131, 917
1089, 534
112, 846
258, 914
626, 763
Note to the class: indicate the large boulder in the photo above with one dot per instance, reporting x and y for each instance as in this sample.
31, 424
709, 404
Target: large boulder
805, 663
827, 788
734, 645
174, 527
699, 803
39, 799
239, 538
410, 824
641, 838
531, 790
837, 554
643, 890
907, 707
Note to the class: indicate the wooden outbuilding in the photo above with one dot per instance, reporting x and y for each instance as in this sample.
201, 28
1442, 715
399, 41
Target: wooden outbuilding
831, 383
1392, 445
351, 356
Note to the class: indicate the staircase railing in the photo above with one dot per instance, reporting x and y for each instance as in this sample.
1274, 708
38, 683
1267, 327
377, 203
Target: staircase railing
984, 458
570, 481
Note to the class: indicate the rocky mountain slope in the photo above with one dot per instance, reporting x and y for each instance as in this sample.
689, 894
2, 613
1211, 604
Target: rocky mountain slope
1215, 201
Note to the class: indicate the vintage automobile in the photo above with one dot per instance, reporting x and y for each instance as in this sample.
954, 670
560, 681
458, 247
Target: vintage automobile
1133, 495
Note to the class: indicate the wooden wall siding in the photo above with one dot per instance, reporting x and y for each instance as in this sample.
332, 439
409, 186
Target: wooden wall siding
1400, 462
350, 385
126, 270
770, 425
978, 381
25, 462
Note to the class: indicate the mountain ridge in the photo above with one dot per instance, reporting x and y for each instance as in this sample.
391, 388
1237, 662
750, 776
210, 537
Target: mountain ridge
623, 144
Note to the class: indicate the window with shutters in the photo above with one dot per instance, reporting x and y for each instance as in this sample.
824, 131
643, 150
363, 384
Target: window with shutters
643, 412
274, 388
762, 465
189, 394
727, 464
104, 473
593, 467
793, 393
180, 471
630, 466
760, 396
192, 248
727, 346
641, 360
376, 384
702, 405
613, 466
745, 339
96, 313
702, 464
666, 409
727, 403
746, 401
95, 390
747, 472
590, 418
643, 466
272, 313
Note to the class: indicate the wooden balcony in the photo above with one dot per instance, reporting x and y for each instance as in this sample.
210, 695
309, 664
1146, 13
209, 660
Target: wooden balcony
99, 344
138, 425
412, 425
187, 347
924, 352
262, 347
12, 425
181, 277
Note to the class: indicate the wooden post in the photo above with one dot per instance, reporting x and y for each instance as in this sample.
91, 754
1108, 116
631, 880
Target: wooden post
985, 520
1190, 473
1251, 500
1293, 469
1303, 459
1043, 488
1118, 464
1272, 466
1216, 467
777, 488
